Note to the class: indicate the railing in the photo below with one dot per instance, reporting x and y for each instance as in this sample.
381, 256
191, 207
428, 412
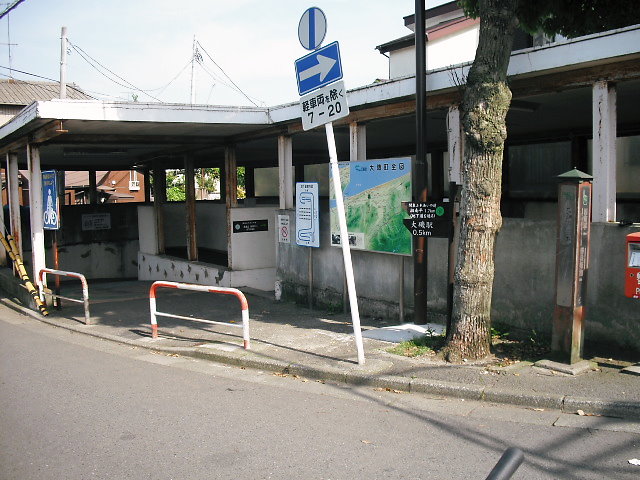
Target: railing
199, 288
85, 289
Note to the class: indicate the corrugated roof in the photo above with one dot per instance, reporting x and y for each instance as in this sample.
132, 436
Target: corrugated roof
19, 92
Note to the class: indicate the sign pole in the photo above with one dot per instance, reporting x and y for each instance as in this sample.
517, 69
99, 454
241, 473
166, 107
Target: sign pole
344, 241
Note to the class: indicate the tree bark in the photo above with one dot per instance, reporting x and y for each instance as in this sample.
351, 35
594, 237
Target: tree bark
484, 109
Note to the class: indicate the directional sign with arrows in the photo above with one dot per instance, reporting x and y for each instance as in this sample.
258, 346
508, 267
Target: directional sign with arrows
319, 68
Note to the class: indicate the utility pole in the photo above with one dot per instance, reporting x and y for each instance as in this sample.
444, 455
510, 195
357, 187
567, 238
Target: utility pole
63, 63
420, 179
193, 81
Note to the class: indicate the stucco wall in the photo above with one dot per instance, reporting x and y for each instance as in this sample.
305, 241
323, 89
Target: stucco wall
524, 289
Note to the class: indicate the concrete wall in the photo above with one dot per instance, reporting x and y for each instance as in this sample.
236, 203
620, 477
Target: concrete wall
524, 289
103, 253
250, 250
459, 47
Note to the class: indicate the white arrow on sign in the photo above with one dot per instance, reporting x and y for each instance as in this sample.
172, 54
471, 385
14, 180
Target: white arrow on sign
324, 66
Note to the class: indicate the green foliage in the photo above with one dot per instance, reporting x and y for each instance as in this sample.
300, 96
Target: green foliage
175, 186
425, 345
571, 18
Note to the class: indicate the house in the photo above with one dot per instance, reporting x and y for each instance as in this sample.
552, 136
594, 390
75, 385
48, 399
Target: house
127, 186
574, 105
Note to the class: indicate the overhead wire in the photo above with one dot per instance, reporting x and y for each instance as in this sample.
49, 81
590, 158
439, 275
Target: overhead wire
92, 62
39, 76
225, 74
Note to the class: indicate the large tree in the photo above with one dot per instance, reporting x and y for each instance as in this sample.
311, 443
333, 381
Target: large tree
484, 109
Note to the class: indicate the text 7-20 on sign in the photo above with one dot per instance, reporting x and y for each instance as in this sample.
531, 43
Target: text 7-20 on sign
324, 105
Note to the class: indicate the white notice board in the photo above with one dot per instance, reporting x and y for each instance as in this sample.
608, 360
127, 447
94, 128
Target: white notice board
307, 214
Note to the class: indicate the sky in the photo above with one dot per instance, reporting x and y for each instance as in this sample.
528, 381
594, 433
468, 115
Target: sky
149, 45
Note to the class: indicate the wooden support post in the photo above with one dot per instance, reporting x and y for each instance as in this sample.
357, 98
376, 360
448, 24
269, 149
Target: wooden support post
93, 188
147, 185
159, 199
604, 152
231, 177
190, 206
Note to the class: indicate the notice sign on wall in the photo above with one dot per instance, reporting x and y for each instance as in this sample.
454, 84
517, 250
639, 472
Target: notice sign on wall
96, 221
243, 226
307, 214
284, 235
51, 211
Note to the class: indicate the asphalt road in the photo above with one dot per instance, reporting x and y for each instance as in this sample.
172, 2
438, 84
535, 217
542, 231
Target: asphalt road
75, 407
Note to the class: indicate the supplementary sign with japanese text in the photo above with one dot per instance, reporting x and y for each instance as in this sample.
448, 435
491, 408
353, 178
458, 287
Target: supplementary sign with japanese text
96, 221
429, 219
323, 106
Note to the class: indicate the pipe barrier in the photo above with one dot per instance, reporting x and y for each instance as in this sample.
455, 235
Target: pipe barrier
83, 281
199, 288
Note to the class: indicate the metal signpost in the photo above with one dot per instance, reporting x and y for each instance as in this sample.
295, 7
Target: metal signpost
318, 69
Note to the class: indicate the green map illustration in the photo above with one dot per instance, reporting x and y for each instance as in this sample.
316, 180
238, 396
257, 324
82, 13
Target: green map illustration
373, 194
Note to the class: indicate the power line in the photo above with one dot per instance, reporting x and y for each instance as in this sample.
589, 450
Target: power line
10, 7
90, 60
38, 76
225, 73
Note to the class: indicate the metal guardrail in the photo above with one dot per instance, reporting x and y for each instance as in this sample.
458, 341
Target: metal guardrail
85, 289
199, 288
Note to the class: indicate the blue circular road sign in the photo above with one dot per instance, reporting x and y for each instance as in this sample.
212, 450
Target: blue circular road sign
312, 28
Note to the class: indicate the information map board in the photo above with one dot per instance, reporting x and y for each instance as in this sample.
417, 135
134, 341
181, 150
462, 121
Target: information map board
373, 194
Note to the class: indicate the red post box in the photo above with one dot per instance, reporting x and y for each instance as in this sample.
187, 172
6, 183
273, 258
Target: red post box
632, 277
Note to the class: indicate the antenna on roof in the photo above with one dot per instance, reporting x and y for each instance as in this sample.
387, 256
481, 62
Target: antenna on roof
63, 63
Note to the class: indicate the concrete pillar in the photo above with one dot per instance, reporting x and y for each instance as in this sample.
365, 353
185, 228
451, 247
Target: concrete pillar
231, 176
604, 152
36, 210
285, 169
357, 142
13, 191
455, 144
159, 199
190, 206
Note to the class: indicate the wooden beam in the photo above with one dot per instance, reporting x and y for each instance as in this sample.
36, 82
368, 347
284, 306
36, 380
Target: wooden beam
190, 206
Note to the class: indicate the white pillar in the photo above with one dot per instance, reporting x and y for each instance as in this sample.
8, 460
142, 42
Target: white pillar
455, 143
604, 152
35, 209
285, 171
13, 192
357, 142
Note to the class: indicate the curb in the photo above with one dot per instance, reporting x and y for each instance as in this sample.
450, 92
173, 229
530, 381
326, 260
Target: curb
242, 358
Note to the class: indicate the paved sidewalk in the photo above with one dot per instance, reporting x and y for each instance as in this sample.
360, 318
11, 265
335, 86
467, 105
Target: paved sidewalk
290, 339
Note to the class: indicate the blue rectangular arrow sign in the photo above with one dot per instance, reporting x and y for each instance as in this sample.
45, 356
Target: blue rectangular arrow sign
319, 68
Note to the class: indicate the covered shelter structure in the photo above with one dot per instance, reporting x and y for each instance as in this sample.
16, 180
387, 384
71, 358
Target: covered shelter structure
574, 106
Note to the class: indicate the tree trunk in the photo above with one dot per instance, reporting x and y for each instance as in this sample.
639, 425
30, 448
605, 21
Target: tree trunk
484, 109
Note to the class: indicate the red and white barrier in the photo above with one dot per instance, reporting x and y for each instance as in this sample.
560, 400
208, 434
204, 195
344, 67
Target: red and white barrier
199, 288
85, 289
